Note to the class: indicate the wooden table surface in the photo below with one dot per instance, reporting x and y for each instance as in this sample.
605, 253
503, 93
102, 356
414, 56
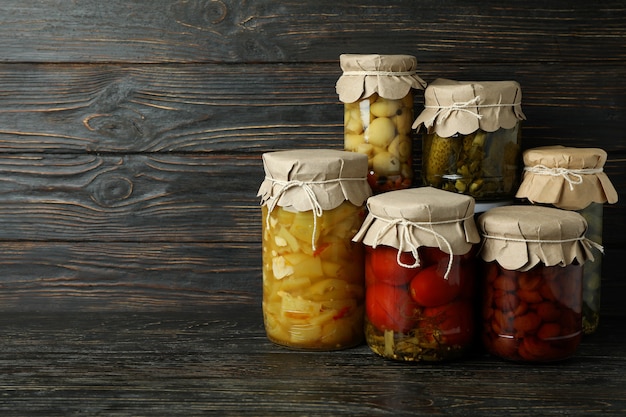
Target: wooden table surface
219, 362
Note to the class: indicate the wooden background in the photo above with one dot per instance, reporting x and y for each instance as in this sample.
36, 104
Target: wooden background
131, 132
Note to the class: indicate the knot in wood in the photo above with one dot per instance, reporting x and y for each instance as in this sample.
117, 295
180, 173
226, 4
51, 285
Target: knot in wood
110, 190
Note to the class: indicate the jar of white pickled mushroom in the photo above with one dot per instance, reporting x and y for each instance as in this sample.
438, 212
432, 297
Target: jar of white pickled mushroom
377, 92
471, 140
419, 274
313, 281
573, 179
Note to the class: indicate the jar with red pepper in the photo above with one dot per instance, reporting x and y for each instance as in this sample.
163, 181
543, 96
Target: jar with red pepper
419, 274
532, 290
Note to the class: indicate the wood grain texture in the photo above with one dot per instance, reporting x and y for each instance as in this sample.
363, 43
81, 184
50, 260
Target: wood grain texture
218, 362
131, 136
259, 108
270, 31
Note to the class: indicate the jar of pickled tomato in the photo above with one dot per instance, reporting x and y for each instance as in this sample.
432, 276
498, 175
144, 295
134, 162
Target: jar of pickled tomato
419, 274
573, 179
532, 291
313, 203
471, 137
377, 92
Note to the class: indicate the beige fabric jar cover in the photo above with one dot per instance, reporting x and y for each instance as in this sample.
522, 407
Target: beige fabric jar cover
414, 217
452, 107
568, 178
520, 237
391, 76
313, 179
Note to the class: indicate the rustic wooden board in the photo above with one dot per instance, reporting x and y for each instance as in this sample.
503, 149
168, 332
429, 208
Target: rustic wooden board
219, 362
257, 108
270, 31
129, 132
146, 276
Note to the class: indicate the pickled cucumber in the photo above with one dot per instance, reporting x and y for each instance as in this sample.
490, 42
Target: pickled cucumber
481, 164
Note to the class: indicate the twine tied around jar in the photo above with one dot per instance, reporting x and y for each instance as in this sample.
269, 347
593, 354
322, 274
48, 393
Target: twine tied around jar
572, 176
446, 111
405, 233
382, 73
306, 186
587, 242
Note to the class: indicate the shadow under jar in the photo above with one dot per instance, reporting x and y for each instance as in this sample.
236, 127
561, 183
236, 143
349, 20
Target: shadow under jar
419, 274
471, 141
532, 282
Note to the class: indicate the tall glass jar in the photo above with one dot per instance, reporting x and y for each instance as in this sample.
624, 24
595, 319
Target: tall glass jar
377, 92
313, 203
419, 274
573, 179
471, 141
532, 291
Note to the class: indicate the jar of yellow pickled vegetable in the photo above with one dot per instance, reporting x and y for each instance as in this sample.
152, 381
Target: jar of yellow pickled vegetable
534, 259
313, 280
573, 179
471, 140
419, 274
377, 92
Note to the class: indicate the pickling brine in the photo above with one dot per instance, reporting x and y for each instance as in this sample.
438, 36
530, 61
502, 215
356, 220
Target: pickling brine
535, 315
419, 314
381, 129
481, 164
313, 296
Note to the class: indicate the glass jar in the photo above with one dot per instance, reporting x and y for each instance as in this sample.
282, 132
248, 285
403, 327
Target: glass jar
471, 144
573, 179
532, 315
419, 274
532, 289
592, 275
377, 92
313, 277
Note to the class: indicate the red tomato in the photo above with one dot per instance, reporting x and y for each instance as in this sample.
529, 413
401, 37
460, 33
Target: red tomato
390, 308
451, 324
429, 288
384, 264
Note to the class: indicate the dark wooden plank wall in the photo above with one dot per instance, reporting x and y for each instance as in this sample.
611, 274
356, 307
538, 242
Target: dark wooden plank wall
131, 132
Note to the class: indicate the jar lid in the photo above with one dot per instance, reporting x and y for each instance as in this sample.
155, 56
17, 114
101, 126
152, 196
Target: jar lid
483, 206
414, 217
391, 76
452, 107
314, 179
568, 178
520, 237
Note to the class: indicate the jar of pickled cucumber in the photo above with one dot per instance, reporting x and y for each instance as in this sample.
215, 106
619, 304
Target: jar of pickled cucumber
573, 179
419, 274
377, 92
313, 203
532, 291
471, 137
